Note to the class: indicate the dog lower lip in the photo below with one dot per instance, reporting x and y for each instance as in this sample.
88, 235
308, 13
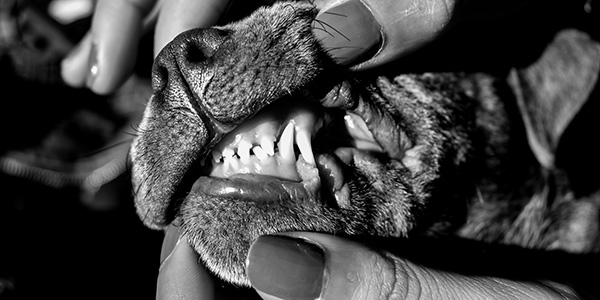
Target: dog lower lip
258, 188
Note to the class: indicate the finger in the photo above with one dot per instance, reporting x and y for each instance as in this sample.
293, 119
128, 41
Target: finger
311, 266
74, 67
106, 58
177, 16
180, 275
370, 33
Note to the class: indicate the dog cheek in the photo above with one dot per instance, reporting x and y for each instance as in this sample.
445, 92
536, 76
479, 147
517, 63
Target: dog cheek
384, 192
159, 159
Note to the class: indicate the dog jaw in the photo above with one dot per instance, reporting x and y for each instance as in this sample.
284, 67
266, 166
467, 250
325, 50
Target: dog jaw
209, 82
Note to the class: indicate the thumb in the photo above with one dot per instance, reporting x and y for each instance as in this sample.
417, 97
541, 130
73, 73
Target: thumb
310, 265
180, 275
370, 33
318, 266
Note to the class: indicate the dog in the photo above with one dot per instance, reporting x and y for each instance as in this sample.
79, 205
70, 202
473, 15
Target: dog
253, 129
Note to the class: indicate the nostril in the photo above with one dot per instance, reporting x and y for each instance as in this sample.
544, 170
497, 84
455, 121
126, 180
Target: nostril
194, 54
198, 45
184, 54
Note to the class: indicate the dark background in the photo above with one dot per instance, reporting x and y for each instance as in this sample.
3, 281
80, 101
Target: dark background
59, 239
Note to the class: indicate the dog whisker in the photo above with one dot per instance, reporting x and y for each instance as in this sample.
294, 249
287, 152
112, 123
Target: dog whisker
335, 14
109, 147
325, 24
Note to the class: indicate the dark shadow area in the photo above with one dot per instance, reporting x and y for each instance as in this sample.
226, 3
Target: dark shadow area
55, 247
69, 229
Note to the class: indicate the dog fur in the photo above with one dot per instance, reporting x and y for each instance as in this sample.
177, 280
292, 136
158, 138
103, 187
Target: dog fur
470, 155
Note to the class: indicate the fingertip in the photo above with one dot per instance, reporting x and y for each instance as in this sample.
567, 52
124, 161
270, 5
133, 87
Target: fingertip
182, 277
306, 265
286, 268
171, 239
74, 66
116, 30
110, 61
348, 32
178, 16
405, 26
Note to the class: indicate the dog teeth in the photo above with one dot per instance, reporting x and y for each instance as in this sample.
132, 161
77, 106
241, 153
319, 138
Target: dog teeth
267, 143
286, 143
303, 138
261, 139
243, 150
216, 155
260, 153
228, 153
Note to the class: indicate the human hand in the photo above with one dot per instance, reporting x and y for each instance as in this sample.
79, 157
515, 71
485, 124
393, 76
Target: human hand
361, 34
305, 265
105, 57
364, 34
319, 266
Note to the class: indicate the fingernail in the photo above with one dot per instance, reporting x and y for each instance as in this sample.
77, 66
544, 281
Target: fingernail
92, 66
172, 236
348, 32
286, 268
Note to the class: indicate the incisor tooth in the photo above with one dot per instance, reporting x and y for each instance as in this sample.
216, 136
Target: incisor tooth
304, 144
260, 153
244, 150
267, 144
228, 152
286, 143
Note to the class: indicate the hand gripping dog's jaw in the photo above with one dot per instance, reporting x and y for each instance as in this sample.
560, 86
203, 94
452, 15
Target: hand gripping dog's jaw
220, 92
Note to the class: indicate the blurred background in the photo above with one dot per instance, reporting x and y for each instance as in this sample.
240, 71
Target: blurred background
68, 225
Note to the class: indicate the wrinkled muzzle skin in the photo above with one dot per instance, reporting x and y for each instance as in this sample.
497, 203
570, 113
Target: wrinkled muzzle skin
377, 144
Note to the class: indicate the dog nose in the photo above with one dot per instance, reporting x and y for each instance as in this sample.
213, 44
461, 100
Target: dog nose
190, 50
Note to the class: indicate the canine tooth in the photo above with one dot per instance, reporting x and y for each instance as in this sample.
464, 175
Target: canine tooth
286, 143
216, 155
267, 144
304, 144
260, 153
244, 150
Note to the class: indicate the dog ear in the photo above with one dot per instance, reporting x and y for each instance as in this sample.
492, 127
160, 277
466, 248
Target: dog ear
552, 90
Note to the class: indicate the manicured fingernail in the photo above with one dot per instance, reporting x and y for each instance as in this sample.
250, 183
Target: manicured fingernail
286, 268
348, 32
92, 66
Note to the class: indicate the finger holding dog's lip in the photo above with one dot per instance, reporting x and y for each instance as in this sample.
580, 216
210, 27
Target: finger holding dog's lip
370, 33
180, 275
308, 265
